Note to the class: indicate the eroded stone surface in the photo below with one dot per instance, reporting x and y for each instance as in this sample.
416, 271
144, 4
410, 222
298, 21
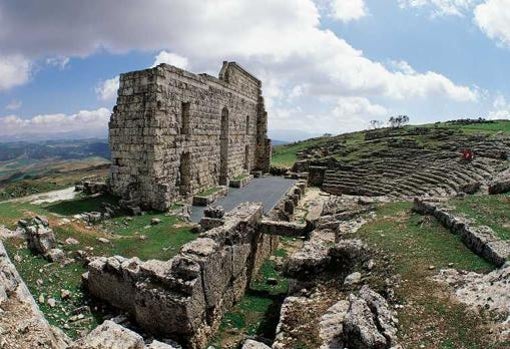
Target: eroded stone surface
23, 325
186, 297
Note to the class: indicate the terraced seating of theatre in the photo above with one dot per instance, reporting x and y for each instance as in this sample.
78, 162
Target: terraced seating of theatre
416, 161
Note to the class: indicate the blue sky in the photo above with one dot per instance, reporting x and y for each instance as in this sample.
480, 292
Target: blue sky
327, 65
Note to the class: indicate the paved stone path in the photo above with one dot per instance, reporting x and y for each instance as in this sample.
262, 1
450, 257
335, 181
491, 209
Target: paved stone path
267, 190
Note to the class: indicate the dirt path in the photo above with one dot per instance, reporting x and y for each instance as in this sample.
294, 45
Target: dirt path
48, 197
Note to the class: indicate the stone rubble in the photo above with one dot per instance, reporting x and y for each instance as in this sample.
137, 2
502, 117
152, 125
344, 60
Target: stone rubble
185, 298
480, 291
251, 344
110, 335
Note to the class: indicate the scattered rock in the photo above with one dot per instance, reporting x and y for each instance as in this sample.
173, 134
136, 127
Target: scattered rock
55, 255
251, 344
155, 221
353, 279
51, 302
65, 294
214, 212
40, 237
103, 240
72, 241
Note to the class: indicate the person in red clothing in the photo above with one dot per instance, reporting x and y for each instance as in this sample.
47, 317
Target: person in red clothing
468, 155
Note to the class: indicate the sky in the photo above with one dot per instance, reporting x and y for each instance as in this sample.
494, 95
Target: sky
327, 66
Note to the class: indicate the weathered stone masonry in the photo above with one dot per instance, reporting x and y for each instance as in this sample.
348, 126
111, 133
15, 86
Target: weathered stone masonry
173, 133
186, 297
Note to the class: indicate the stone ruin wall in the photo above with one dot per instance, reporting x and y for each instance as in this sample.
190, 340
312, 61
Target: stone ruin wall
186, 297
149, 140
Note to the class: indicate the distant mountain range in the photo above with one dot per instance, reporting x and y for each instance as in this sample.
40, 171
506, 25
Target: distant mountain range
61, 149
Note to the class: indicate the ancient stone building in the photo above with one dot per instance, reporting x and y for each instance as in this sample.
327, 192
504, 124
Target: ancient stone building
174, 133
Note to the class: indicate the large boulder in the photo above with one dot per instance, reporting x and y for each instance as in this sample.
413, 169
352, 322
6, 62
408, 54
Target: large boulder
360, 329
112, 336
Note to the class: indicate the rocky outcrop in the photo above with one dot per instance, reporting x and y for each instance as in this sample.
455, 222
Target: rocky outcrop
480, 291
22, 323
362, 321
321, 251
185, 298
251, 344
480, 239
39, 235
40, 238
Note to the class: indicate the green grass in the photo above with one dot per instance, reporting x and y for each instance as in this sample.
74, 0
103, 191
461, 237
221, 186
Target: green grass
413, 244
210, 191
128, 236
286, 155
490, 210
55, 278
354, 147
241, 177
497, 126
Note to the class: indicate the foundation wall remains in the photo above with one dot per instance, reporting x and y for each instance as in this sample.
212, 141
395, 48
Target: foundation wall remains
173, 133
186, 297
482, 240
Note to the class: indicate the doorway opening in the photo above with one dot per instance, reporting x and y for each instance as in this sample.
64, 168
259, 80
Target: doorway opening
224, 147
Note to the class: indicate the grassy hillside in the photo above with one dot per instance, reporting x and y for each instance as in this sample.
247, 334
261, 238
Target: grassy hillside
353, 146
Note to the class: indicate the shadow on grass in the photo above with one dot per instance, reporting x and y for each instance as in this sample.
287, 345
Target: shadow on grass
87, 204
271, 317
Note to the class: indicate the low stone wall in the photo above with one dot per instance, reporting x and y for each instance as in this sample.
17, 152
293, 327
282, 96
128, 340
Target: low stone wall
284, 210
186, 297
287, 229
481, 239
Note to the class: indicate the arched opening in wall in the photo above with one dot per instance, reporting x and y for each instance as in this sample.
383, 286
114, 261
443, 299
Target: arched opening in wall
247, 158
224, 147
185, 174
247, 124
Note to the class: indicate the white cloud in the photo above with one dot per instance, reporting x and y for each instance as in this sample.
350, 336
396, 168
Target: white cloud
346, 114
14, 105
493, 18
501, 109
107, 90
348, 10
441, 7
402, 66
172, 59
260, 35
60, 61
14, 71
53, 124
